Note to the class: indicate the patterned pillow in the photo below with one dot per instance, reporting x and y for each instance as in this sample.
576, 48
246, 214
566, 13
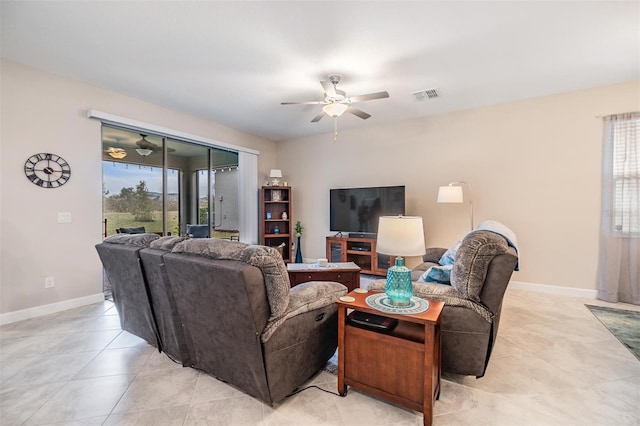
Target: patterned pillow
449, 256
166, 243
437, 274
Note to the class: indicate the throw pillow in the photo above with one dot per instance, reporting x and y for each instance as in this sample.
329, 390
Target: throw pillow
449, 256
437, 274
166, 243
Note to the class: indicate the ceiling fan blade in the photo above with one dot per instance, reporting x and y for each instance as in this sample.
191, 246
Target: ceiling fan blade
329, 88
358, 113
303, 103
318, 117
369, 97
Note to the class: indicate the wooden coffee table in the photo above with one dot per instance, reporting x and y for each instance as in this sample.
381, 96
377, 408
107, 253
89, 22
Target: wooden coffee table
401, 366
347, 273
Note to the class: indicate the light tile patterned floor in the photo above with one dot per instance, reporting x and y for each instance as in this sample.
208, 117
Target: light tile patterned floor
554, 364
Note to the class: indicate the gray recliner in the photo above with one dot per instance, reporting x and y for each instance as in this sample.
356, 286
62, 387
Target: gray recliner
120, 256
224, 307
168, 322
141, 291
483, 266
244, 323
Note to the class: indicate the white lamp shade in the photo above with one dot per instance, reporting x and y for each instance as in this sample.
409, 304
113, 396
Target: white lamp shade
275, 173
400, 236
450, 194
335, 109
144, 151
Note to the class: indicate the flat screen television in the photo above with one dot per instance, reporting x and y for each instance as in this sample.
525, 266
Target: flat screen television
356, 210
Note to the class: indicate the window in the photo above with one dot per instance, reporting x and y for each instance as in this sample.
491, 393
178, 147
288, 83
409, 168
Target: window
165, 185
622, 139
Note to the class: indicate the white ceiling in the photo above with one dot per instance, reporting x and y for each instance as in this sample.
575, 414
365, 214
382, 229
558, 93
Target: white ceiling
233, 62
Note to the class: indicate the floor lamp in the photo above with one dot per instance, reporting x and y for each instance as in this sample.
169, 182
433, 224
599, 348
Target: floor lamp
452, 193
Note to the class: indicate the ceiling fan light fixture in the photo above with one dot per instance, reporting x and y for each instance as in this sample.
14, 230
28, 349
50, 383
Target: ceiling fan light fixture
335, 109
144, 152
117, 153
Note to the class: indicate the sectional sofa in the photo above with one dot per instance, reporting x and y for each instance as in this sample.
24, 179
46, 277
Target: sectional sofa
225, 308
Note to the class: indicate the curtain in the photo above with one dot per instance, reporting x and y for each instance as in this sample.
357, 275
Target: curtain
248, 197
618, 277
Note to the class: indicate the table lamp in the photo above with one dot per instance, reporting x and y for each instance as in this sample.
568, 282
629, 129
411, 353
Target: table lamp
400, 236
275, 175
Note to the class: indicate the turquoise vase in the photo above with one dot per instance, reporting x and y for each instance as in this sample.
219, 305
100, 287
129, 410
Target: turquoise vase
399, 287
298, 252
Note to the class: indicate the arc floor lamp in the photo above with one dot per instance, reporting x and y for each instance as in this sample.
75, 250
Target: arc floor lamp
452, 193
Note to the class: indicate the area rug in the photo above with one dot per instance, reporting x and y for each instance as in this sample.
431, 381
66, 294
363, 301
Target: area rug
623, 324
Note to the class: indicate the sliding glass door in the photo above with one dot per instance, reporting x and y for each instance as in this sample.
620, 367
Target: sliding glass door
167, 186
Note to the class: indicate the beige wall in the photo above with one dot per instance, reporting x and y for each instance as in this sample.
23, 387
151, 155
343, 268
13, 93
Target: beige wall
42, 112
534, 165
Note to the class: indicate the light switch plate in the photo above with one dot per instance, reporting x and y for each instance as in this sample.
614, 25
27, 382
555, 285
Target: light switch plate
64, 217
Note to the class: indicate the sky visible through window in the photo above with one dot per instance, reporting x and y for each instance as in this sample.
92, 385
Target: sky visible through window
122, 175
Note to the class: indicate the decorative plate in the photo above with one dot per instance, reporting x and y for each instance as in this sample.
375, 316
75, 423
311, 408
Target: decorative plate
317, 266
380, 301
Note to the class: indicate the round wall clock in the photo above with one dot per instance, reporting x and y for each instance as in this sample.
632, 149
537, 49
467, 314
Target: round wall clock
47, 170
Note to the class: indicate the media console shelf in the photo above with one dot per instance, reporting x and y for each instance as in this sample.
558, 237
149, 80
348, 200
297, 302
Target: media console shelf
361, 251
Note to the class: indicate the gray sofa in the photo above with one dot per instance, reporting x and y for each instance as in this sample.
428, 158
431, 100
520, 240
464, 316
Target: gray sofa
483, 266
225, 308
121, 260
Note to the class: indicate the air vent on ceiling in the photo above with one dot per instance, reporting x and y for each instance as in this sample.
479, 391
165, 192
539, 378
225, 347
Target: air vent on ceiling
423, 95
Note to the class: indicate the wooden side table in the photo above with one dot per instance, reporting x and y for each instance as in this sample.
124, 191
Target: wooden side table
347, 273
401, 366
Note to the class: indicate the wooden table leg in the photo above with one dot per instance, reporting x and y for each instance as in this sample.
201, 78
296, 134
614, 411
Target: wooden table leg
342, 388
429, 359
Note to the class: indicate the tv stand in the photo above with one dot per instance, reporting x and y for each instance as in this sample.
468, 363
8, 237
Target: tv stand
359, 250
369, 235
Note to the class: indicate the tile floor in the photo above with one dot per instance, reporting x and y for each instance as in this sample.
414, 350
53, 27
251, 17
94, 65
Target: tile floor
554, 364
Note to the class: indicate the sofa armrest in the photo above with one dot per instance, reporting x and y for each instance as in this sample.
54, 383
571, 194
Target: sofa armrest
433, 254
304, 298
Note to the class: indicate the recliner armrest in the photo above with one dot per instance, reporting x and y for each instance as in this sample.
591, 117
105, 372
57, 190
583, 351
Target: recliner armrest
314, 294
433, 254
304, 298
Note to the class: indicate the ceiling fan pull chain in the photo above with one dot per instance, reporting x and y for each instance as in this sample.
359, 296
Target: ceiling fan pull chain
335, 129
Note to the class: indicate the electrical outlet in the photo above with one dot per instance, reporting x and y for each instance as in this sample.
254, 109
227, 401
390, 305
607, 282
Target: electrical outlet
49, 282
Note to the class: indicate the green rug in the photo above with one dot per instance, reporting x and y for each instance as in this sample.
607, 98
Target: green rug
623, 324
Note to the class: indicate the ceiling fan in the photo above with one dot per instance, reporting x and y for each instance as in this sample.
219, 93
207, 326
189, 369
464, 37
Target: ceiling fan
146, 147
117, 153
336, 102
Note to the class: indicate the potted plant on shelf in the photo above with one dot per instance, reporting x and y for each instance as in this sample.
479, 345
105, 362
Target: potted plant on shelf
299, 229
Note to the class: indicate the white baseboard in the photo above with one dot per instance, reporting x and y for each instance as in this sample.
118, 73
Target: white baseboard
553, 289
51, 308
